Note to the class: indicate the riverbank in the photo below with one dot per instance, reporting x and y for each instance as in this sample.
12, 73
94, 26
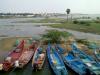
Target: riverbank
93, 28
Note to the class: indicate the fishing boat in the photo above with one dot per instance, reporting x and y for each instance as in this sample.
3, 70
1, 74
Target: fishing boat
27, 54
96, 50
55, 61
97, 54
86, 59
12, 57
73, 62
39, 58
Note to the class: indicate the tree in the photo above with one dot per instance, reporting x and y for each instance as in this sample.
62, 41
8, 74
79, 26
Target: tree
68, 12
97, 18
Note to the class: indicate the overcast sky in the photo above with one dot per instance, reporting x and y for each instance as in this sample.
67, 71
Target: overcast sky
38, 6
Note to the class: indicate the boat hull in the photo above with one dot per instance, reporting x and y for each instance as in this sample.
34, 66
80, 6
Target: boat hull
13, 56
93, 66
39, 58
72, 62
56, 62
26, 54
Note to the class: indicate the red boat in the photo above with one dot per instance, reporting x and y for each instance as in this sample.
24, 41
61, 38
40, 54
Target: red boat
12, 57
27, 54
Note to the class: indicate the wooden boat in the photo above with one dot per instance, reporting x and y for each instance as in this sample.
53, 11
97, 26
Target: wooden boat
39, 58
27, 54
73, 62
86, 59
12, 57
56, 62
97, 54
96, 51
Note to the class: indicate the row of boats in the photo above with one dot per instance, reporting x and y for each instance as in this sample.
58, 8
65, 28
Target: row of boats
95, 50
58, 57
22, 54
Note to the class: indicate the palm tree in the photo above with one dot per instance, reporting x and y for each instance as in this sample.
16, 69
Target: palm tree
68, 12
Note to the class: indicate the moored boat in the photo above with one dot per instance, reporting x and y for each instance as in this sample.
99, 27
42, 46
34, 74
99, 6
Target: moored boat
73, 62
39, 58
97, 54
27, 54
12, 57
96, 51
86, 59
56, 62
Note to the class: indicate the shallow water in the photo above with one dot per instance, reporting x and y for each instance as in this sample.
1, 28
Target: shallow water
9, 28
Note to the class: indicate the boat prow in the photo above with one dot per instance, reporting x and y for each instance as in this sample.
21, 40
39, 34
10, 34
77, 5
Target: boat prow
55, 61
14, 55
39, 58
27, 54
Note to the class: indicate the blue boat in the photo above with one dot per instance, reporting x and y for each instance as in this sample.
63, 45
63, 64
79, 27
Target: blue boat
56, 62
93, 66
97, 55
96, 51
73, 62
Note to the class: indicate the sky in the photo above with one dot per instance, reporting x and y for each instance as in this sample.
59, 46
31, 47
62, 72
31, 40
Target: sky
50, 6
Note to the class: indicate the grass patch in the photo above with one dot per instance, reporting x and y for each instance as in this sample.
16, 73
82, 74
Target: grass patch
55, 36
92, 28
46, 20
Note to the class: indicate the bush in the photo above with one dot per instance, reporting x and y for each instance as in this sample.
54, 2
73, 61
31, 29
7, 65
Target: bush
87, 24
97, 21
83, 41
97, 18
82, 22
75, 22
54, 36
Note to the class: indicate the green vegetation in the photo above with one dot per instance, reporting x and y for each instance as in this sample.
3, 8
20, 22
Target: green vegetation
55, 36
83, 26
46, 20
92, 26
85, 23
83, 41
50, 20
